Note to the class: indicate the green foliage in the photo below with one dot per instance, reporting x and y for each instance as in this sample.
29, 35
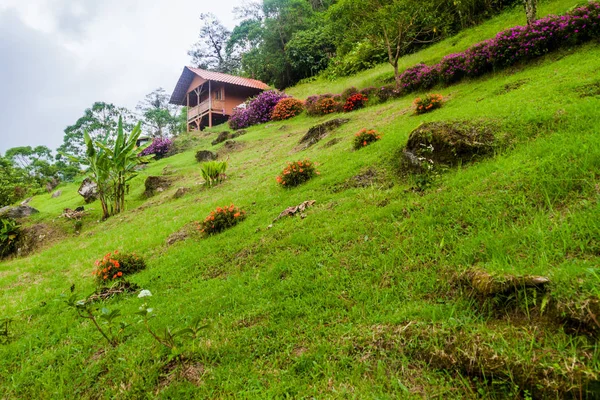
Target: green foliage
161, 118
111, 332
428, 103
9, 235
365, 137
13, 182
117, 266
112, 167
297, 172
221, 218
213, 172
5, 330
309, 52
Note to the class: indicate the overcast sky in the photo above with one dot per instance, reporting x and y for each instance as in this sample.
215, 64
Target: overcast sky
57, 57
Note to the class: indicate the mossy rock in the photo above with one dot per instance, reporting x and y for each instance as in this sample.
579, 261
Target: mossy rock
318, 132
205, 155
223, 136
447, 144
156, 184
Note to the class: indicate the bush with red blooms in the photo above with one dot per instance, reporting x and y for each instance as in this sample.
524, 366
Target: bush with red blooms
355, 102
428, 103
115, 266
220, 219
287, 108
297, 172
365, 137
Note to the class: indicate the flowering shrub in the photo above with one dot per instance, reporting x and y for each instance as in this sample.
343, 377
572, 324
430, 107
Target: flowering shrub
388, 92
258, 110
220, 219
323, 105
287, 108
420, 76
115, 266
296, 173
355, 102
160, 147
428, 103
365, 137
346, 94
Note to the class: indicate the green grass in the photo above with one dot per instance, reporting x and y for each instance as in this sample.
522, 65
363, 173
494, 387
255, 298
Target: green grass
360, 299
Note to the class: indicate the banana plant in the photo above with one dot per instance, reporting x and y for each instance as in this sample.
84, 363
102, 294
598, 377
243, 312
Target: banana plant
123, 159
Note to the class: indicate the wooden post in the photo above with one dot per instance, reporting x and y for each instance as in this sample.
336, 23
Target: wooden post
187, 117
209, 105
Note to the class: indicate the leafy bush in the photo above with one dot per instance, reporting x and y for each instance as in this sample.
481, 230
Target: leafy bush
287, 108
388, 92
355, 102
213, 172
323, 105
296, 173
220, 219
114, 266
9, 235
428, 103
420, 76
160, 147
258, 110
346, 94
365, 137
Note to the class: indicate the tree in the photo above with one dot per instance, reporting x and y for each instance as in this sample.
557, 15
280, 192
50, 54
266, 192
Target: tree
309, 52
210, 51
397, 24
160, 117
100, 121
11, 179
530, 10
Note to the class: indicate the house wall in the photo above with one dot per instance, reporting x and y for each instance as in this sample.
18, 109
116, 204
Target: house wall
234, 95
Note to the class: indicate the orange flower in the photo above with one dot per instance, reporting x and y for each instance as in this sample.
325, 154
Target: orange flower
119, 273
105, 277
237, 214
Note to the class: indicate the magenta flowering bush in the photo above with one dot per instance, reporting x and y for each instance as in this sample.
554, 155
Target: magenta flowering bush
258, 110
160, 147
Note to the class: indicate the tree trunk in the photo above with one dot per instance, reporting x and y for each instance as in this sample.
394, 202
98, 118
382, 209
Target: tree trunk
530, 10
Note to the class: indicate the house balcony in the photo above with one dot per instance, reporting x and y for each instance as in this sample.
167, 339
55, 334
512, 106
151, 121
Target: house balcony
199, 111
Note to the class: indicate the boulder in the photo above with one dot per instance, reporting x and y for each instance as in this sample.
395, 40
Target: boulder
318, 132
26, 201
17, 212
238, 133
52, 184
88, 190
181, 192
223, 136
447, 144
56, 194
205, 155
156, 184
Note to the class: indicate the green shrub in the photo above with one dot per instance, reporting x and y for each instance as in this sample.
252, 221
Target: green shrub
296, 173
365, 137
220, 219
115, 266
428, 103
213, 172
9, 234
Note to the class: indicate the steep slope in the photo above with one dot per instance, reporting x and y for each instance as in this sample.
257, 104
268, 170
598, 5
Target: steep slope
367, 296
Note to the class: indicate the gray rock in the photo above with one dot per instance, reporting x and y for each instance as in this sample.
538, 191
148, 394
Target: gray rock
156, 184
26, 201
181, 192
17, 212
88, 190
50, 186
56, 194
205, 155
318, 132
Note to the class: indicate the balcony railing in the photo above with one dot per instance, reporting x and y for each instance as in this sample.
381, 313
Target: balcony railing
203, 108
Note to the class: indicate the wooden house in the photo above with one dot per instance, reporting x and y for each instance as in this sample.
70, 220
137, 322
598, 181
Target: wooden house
210, 97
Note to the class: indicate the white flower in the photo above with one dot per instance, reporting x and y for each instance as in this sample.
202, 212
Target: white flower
145, 293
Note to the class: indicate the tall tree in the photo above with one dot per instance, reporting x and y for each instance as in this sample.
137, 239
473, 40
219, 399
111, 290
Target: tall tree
530, 10
159, 117
397, 24
100, 121
209, 52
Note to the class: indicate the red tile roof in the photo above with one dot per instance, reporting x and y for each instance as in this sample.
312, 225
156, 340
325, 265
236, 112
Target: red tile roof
187, 76
224, 78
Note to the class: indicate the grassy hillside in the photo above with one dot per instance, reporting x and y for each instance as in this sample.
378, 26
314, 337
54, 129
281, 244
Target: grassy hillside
363, 298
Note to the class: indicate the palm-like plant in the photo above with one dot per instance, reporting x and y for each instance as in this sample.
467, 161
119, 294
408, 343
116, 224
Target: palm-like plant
123, 158
111, 167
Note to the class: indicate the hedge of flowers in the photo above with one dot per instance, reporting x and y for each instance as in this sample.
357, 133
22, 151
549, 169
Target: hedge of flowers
160, 147
324, 104
259, 110
221, 218
365, 137
114, 266
355, 102
287, 108
296, 173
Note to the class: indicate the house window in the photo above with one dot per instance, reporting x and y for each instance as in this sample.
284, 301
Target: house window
219, 94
